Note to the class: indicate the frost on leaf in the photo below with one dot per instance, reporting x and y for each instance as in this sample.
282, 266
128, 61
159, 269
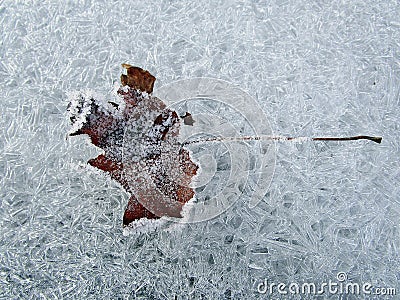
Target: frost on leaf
139, 137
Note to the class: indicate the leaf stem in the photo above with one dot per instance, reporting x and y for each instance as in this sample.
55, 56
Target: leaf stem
375, 139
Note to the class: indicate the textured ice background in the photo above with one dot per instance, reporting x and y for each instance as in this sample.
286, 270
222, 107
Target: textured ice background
316, 68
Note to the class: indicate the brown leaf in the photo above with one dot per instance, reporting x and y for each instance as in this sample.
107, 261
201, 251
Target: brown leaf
141, 147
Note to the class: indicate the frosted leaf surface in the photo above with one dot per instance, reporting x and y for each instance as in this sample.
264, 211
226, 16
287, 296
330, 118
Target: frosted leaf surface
141, 148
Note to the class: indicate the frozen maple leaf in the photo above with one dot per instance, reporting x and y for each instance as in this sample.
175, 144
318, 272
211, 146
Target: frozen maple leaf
139, 138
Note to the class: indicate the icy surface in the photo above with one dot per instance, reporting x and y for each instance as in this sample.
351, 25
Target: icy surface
316, 68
